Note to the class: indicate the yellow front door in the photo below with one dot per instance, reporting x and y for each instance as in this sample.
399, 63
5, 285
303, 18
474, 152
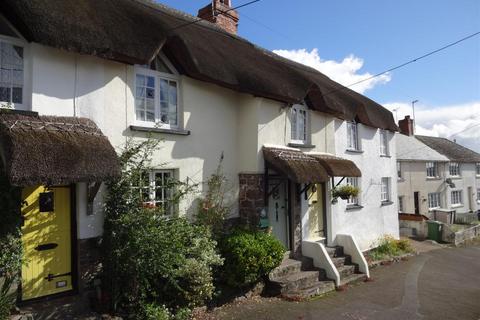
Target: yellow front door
315, 212
46, 238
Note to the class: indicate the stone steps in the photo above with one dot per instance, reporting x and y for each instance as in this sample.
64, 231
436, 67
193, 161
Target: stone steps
319, 288
348, 271
298, 279
353, 278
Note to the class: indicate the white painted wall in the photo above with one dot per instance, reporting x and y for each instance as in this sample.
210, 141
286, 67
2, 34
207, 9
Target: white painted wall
373, 221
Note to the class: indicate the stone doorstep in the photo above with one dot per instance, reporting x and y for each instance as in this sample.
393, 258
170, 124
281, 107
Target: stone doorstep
288, 266
335, 252
353, 278
297, 281
346, 271
322, 287
341, 261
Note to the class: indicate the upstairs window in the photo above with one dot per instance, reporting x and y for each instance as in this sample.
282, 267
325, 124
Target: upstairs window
385, 191
477, 168
432, 170
399, 170
384, 143
352, 136
299, 123
157, 94
12, 66
454, 169
400, 204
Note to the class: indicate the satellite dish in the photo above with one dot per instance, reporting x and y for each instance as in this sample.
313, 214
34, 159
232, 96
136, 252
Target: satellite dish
450, 183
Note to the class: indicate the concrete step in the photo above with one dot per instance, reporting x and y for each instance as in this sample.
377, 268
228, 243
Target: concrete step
288, 266
296, 281
346, 271
321, 287
341, 261
335, 252
353, 278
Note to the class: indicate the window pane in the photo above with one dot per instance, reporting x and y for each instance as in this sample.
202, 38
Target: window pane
163, 90
17, 95
145, 98
294, 123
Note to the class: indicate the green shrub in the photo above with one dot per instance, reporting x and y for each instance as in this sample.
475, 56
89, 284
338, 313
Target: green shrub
390, 247
249, 255
149, 260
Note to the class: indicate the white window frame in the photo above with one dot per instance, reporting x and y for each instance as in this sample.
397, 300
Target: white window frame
384, 150
353, 140
297, 131
477, 168
26, 89
432, 169
401, 208
354, 182
456, 198
385, 190
454, 169
158, 75
152, 188
434, 200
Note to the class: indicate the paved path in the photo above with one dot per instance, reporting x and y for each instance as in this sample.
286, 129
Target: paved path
440, 284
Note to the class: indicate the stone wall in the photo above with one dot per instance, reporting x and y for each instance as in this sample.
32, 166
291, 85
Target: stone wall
459, 237
251, 197
88, 263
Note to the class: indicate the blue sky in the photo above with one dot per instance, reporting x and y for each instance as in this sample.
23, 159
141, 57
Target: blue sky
376, 35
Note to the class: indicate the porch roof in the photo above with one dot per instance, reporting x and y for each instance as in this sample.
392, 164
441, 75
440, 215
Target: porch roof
336, 166
53, 150
296, 165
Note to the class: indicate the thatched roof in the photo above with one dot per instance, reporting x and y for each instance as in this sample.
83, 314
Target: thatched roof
134, 31
452, 150
336, 166
54, 150
296, 165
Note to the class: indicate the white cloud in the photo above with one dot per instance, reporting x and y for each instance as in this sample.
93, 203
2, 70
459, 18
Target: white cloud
460, 122
345, 72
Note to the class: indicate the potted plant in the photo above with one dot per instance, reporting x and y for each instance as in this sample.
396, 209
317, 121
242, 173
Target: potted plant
345, 192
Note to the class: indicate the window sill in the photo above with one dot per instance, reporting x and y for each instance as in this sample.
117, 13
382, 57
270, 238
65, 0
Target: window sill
478, 176
301, 145
353, 207
180, 132
457, 206
354, 151
386, 203
385, 156
456, 177
433, 178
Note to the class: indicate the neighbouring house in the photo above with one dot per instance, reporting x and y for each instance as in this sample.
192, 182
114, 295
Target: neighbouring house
79, 72
437, 178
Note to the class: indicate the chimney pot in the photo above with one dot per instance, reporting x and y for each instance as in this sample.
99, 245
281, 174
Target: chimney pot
406, 126
216, 12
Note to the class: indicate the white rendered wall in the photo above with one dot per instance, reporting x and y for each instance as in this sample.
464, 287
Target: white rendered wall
373, 221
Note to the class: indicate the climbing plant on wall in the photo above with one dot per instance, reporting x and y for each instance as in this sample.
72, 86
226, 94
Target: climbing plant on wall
10, 245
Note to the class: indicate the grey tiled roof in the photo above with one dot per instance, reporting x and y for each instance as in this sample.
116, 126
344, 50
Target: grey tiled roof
452, 150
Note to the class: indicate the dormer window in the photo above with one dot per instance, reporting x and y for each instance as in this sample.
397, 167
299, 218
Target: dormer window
157, 94
299, 124
12, 66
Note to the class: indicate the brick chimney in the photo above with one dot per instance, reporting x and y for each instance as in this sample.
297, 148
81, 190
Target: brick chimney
215, 12
406, 126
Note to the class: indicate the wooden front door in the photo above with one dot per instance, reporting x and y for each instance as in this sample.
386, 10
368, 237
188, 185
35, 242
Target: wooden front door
416, 199
278, 210
316, 214
46, 238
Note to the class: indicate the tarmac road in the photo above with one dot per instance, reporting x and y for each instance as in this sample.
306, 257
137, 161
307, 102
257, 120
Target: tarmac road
441, 284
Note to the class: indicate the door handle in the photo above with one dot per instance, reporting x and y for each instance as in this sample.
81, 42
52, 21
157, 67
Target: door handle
46, 246
50, 276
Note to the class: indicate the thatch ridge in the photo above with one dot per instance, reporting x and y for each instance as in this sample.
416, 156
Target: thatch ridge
52, 150
134, 31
